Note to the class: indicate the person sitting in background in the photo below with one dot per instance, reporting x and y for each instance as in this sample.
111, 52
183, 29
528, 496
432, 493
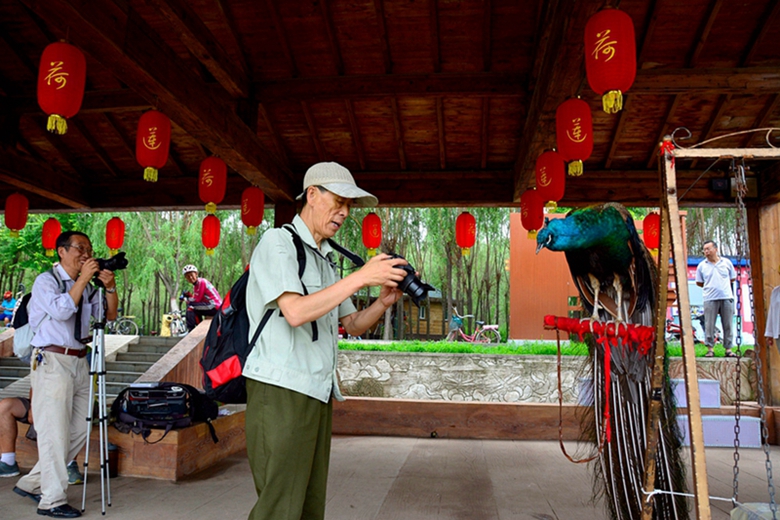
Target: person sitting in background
13, 410
204, 300
9, 302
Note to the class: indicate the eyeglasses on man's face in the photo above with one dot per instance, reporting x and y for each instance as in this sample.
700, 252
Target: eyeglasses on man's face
84, 250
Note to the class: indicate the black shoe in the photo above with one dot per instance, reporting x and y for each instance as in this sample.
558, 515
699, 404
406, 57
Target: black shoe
63, 511
33, 496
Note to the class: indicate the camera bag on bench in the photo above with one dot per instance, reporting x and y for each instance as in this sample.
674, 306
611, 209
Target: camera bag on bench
164, 406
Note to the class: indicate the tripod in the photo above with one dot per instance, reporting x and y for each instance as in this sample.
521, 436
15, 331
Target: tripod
98, 368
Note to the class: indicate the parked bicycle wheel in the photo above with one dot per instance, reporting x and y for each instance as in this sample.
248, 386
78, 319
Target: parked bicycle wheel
489, 336
126, 326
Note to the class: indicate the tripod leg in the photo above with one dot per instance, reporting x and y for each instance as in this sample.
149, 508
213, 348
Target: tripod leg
104, 421
92, 372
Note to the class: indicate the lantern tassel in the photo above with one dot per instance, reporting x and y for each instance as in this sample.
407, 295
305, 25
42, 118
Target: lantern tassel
532, 235
575, 168
150, 174
612, 102
57, 124
371, 252
114, 251
211, 208
465, 251
209, 252
50, 252
251, 230
551, 205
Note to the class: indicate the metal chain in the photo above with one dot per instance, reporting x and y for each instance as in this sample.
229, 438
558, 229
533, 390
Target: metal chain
741, 219
738, 337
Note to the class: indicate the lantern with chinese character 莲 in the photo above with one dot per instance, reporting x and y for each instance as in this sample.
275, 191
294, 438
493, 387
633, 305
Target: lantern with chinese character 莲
651, 232
152, 143
465, 232
252, 207
610, 56
16, 206
62, 75
115, 234
574, 133
51, 230
372, 233
550, 178
210, 233
531, 212
212, 182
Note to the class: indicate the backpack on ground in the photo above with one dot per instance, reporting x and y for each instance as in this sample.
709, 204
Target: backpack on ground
23, 331
227, 346
143, 406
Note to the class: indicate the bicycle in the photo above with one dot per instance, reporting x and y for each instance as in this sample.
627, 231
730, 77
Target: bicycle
124, 325
178, 321
482, 333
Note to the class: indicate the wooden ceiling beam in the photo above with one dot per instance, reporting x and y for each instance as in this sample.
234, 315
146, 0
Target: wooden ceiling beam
315, 139
560, 75
123, 43
487, 35
769, 20
235, 40
747, 80
399, 136
709, 131
36, 177
280, 150
647, 33
96, 147
766, 115
127, 143
335, 49
704, 32
433, 18
356, 138
200, 41
484, 132
621, 123
95, 102
282, 36
440, 133
384, 45
653, 154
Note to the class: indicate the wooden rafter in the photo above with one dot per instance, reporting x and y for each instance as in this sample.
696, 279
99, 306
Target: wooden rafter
235, 40
766, 22
653, 153
440, 132
96, 146
622, 119
709, 131
355, 128
433, 17
484, 133
152, 69
282, 36
384, 45
38, 178
262, 113
175, 161
399, 136
647, 32
315, 137
487, 35
335, 49
194, 34
704, 32
65, 154
766, 115
127, 143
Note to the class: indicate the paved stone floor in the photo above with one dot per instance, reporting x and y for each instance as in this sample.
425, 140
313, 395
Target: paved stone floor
389, 478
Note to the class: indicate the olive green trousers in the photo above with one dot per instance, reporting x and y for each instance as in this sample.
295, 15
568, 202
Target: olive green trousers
288, 444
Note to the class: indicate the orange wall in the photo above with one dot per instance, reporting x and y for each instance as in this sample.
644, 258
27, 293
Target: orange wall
539, 284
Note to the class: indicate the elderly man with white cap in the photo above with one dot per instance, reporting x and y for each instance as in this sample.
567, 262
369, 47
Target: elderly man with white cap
291, 371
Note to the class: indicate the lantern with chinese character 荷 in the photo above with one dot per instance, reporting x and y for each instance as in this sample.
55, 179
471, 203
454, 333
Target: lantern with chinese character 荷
212, 182
610, 56
210, 233
372, 233
252, 207
465, 232
115, 234
574, 133
550, 178
51, 230
16, 206
152, 143
531, 212
62, 75
651, 231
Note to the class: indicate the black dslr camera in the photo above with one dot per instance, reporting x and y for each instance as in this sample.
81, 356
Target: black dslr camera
115, 263
411, 284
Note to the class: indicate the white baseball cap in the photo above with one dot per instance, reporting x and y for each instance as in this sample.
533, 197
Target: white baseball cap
337, 179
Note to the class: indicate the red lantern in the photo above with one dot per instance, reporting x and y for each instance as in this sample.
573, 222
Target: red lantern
115, 234
152, 143
62, 75
651, 231
16, 206
372, 233
610, 56
574, 133
212, 182
550, 178
210, 233
252, 206
531, 212
51, 230
465, 232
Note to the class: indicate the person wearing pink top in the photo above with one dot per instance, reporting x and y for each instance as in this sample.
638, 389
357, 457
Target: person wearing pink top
204, 300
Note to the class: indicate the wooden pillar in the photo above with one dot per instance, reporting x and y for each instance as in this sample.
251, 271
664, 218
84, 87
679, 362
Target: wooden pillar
284, 212
765, 278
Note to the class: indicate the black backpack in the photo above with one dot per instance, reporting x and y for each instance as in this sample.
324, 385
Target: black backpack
143, 406
226, 347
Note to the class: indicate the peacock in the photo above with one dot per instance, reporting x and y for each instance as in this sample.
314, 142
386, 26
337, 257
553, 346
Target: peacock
617, 281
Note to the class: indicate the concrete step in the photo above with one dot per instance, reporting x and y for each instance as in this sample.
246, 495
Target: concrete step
159, 341
123, 377
7, 380
133, 356
129, 366
12, 362
14, 371
149, 349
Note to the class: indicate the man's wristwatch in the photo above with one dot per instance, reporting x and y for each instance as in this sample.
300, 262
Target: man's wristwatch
111, 291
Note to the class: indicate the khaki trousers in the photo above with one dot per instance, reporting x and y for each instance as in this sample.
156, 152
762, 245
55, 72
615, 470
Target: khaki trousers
288, 443
60, 403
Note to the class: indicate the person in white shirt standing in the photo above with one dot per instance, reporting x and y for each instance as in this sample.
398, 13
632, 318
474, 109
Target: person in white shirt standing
716, 276
60, 374
772, 330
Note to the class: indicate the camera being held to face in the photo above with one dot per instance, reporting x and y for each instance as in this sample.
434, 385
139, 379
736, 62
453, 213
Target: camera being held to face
411, 284
115, 263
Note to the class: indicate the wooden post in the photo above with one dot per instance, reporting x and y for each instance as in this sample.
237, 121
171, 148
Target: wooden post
700, 485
